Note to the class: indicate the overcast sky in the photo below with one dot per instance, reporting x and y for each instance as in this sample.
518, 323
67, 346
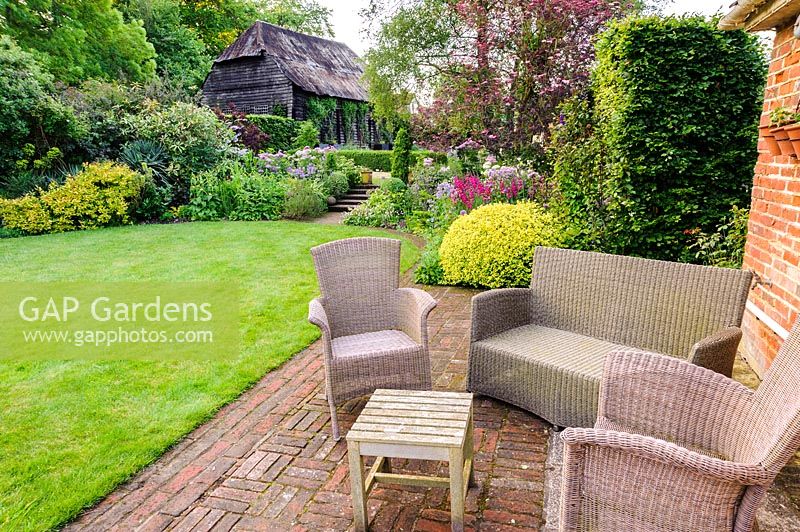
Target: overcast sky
347, 23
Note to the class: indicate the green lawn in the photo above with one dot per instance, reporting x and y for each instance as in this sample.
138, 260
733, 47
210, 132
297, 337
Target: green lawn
71, 431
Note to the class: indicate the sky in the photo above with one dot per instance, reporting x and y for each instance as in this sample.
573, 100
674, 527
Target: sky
347, 22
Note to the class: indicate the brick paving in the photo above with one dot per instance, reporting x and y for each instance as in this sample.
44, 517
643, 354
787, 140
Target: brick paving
267, 461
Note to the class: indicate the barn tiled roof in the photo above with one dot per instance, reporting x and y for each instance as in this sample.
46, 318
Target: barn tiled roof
321, 66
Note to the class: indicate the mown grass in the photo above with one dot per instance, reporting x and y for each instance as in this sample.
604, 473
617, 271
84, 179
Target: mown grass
71, 431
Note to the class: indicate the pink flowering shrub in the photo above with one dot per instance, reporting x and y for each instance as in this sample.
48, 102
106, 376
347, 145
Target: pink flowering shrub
470, 192
502, 184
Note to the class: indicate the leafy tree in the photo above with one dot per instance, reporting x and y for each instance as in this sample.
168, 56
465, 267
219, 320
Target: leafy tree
31, 121
305, 16
181, 55
81, 39
219, 22
401, 156
494, 71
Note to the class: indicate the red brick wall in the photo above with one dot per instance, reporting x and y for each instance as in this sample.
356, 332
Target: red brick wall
773, 241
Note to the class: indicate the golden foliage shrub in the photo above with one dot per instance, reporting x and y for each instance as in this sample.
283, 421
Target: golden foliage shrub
493, 245
99, 196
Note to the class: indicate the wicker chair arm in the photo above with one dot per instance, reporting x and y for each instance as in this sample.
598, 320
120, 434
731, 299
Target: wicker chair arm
718, 351
668, 453
413, 306
318, 316
495, 311
672, 399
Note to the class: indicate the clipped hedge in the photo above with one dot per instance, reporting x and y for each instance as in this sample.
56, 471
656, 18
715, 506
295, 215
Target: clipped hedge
666, 141
281, 130
493, 245
381, 160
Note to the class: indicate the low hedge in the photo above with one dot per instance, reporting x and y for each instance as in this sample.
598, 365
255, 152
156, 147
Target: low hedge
281, 130
381, 160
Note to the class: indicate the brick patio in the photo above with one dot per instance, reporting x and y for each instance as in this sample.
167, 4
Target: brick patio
267, 461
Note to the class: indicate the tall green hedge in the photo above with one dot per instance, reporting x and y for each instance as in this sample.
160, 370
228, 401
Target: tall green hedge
381, 160
281, 130
666, 142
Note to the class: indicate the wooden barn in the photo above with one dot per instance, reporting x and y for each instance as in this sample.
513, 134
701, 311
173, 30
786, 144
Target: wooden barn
272, 70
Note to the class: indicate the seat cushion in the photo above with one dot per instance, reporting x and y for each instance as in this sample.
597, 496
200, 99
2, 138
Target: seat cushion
553, 373
372, 343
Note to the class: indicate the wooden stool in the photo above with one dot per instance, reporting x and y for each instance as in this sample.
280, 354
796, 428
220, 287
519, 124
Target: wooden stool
421, 425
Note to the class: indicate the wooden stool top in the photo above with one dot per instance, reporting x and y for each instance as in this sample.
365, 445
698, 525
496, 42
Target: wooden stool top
418, 418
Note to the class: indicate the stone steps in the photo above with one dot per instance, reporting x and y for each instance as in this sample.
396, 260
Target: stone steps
357, 195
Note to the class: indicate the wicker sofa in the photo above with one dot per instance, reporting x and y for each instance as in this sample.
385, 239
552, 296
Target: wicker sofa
543, 348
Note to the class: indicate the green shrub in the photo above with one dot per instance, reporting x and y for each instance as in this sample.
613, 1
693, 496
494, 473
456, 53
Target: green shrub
304, 199
307, 136
336, 184
101, 195
383, 208
493, 245
376, 160
381, 160
430, 269
725, 246
393, 184
20, 183
101, 107
339, 163
29, 115
6, 232
401, 156
282, 131
212, 196
258, 197
667, 141
236, 190
154, 201
193, 137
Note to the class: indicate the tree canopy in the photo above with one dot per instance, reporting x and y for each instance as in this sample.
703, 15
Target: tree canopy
133, 40
492, 71
80, 39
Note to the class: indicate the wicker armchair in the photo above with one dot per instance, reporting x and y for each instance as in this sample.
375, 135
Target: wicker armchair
679, 447
374, 334
542, 348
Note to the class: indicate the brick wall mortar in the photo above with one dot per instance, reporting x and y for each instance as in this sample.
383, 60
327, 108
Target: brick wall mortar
773, 242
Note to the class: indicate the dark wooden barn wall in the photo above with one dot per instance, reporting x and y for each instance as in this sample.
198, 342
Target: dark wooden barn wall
299, 101
252, 84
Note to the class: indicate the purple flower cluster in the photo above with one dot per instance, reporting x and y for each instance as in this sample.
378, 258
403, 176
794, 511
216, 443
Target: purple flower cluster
301, 164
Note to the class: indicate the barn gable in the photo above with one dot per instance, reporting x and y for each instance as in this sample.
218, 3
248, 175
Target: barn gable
272, 70
316, 65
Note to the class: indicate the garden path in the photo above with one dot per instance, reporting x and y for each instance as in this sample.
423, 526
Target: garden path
267, 461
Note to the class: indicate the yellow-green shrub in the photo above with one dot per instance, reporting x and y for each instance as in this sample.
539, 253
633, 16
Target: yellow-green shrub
27, 214
493, 245
100, 195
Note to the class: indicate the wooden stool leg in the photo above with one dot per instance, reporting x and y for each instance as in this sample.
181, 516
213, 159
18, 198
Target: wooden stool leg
469, 452
457, 489
357, 486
